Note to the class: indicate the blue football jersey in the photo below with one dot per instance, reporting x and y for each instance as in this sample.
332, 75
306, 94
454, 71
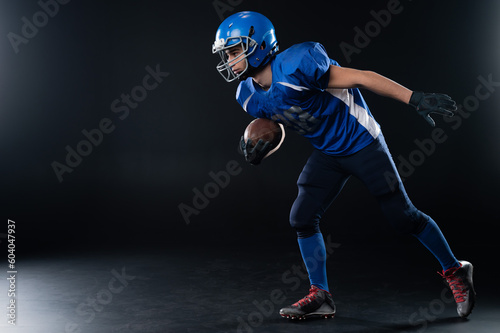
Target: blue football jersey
336, 121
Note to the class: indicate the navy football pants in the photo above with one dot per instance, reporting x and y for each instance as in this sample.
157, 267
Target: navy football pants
324, 176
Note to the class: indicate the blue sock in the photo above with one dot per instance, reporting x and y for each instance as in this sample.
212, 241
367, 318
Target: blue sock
314, 255
434, 240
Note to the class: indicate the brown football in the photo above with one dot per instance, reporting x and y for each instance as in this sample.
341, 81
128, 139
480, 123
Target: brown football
266, 130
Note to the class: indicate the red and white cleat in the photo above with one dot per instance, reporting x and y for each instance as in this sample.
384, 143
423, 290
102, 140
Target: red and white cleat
318, 303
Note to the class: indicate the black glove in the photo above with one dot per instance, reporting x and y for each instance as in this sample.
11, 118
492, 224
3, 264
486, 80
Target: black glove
432, 103
255, 154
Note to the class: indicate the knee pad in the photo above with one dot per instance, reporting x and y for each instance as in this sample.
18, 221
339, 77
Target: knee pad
304, 227
307, 232
408, 221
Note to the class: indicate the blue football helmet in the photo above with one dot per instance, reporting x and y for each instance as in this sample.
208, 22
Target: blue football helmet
255, 33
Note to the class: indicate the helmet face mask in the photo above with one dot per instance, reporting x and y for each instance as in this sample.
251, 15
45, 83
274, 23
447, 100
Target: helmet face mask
256, 36
248, 46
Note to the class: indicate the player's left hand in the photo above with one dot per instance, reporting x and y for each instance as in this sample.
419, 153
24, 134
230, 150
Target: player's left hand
255, 154
426, 103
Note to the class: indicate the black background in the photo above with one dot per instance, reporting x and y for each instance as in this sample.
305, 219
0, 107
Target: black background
127, 192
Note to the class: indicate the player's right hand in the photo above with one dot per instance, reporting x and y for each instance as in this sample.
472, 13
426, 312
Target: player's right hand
255, 154
426, 103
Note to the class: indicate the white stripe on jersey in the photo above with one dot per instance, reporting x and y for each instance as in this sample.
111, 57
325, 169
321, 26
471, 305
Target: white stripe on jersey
294, 87
246, 102
238, 91
357, 111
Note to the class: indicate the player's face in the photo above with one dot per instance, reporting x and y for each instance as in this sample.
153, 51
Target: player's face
233, 55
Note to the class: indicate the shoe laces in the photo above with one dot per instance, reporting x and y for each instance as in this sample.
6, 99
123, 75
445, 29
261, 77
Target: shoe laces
456, 283
313, 293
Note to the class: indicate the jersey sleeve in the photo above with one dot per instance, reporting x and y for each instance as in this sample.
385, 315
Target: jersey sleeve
312, 66
245, 97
